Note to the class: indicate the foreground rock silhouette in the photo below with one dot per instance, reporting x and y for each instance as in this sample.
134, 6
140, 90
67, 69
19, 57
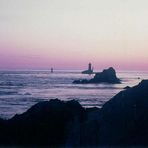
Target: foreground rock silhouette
122, 121
106, 76
45, 123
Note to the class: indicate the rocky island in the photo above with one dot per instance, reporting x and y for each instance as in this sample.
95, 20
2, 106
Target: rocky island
106, 76
122, 121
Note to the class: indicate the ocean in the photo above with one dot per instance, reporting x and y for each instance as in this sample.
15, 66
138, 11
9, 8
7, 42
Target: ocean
19, 90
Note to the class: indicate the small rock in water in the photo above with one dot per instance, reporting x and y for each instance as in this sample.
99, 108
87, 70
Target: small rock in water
27, 94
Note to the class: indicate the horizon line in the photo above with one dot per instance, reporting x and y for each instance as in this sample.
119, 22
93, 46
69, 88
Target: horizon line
67, 69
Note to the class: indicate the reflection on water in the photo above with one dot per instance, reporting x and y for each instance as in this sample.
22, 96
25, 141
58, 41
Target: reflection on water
21, 89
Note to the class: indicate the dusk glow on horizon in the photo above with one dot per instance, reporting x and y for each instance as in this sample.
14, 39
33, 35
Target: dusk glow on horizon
68, 34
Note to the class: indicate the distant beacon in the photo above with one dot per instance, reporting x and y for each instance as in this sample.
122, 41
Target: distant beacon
51, 70
89, 70
89, 66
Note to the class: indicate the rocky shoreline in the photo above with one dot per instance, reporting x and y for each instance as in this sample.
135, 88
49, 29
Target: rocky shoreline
122, 121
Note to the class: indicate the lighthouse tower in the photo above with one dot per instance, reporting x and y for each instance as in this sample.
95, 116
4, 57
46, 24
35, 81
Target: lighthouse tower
89, 70
89, 67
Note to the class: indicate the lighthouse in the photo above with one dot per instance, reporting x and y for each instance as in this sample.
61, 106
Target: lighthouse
89, 67
89, 70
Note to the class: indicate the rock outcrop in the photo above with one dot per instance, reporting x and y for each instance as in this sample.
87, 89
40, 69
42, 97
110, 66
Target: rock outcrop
124, 119
127, 87
46, 123
106, 76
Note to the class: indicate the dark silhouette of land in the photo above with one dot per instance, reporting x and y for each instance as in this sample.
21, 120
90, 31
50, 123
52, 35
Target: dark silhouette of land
46, 123
106, 76
127, 87
122, 121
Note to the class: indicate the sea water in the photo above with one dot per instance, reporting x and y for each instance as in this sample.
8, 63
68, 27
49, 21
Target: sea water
19, 90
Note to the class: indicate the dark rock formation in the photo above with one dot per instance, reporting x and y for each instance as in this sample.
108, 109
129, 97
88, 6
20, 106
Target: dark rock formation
127, 87
84, 81
86, 133
106, 76
46, 123
124, 119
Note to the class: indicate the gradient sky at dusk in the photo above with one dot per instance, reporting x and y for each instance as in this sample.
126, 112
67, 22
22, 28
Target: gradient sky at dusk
67, 34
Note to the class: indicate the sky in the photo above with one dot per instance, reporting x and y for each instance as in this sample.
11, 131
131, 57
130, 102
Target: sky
68, 34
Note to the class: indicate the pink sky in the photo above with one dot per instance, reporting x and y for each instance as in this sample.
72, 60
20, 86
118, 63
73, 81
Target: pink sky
69, 34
